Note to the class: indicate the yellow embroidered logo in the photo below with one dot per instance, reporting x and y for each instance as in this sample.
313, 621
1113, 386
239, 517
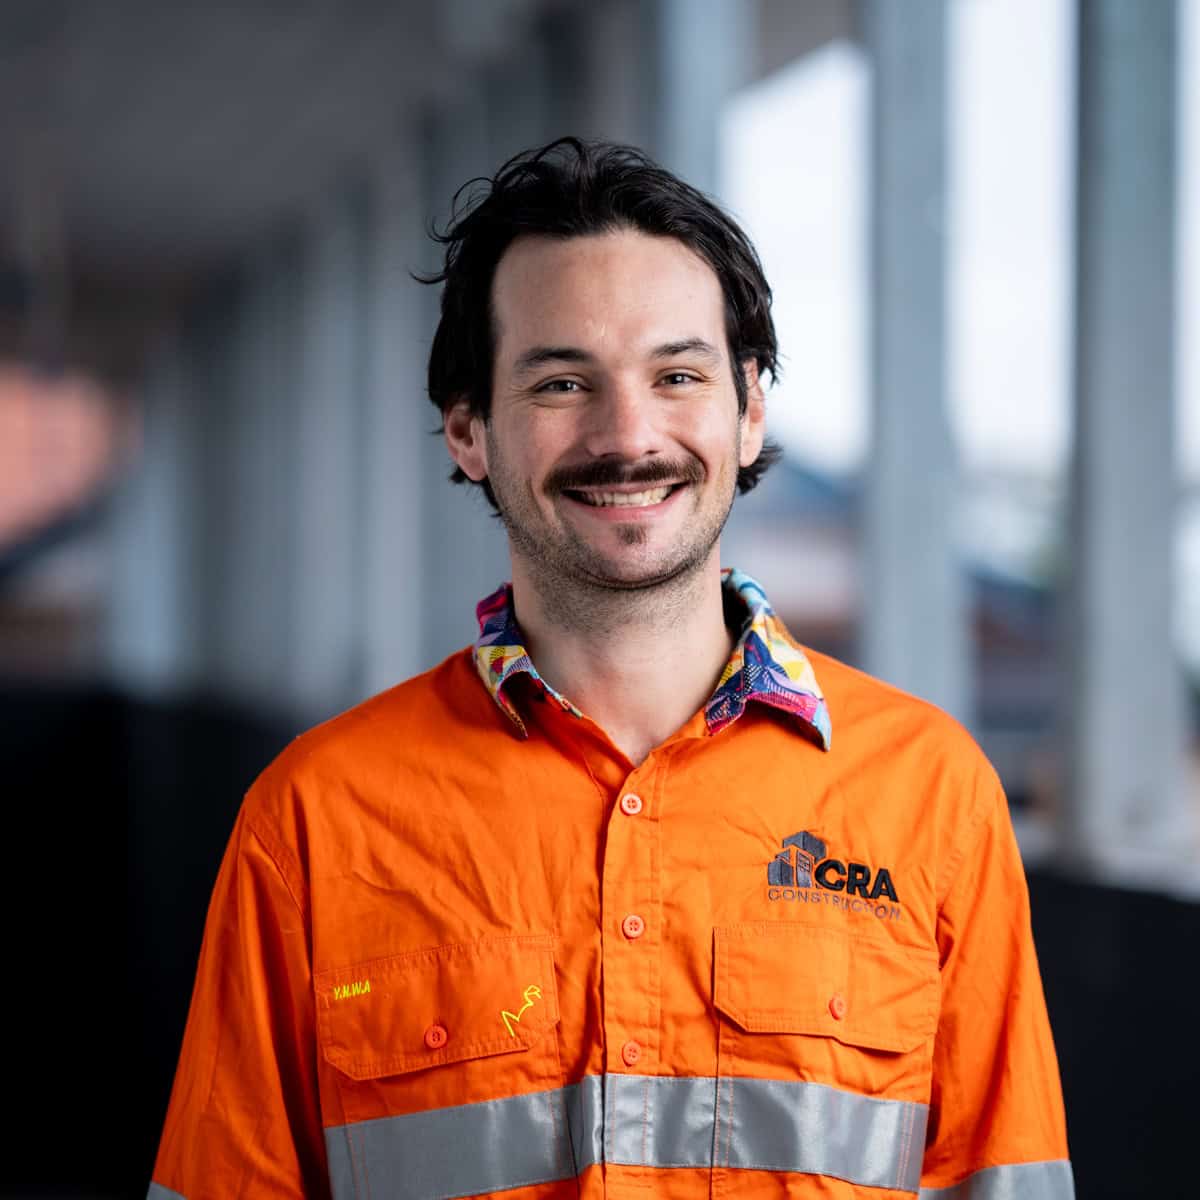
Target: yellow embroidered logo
532, 993
360, 987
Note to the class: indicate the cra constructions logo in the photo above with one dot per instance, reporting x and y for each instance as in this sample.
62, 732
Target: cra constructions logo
802, 872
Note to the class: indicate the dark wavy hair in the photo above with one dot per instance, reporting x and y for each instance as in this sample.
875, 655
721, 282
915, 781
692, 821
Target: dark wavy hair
574, 188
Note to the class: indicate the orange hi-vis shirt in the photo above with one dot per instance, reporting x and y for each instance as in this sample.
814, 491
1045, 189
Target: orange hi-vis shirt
461, 946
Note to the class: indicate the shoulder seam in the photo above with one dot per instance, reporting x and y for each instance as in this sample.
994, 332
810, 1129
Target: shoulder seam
285, 863
979, 814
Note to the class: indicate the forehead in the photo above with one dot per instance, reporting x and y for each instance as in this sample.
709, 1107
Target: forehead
623, 290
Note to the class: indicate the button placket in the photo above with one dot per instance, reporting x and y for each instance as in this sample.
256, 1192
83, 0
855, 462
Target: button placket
630, 901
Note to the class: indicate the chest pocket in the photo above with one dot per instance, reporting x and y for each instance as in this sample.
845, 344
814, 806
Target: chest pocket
824, 1054
439, 1027
785, 977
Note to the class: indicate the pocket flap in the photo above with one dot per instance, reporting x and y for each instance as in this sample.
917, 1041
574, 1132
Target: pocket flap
438, 1005
791, 977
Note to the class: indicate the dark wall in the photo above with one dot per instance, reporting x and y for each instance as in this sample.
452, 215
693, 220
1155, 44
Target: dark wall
1121, 970
117, 815
116, 818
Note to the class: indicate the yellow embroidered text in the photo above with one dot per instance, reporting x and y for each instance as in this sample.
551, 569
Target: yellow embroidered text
360, 987
532, 993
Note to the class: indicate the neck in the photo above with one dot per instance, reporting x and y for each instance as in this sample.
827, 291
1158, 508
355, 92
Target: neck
638, 662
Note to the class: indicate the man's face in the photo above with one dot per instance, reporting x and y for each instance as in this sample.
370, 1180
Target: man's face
614, 439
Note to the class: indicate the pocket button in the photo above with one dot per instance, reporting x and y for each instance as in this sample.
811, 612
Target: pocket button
837, 1006
436, 1037
630, 1053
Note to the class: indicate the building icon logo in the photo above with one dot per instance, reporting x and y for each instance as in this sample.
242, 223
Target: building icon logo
803, 870
794, 865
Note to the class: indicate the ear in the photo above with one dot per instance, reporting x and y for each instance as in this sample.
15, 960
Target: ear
466, 439
754, 420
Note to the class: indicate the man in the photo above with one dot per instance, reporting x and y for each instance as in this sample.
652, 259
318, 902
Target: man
599, 906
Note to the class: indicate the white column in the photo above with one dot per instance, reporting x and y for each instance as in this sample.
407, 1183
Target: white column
152, 525
915, 632
249, 413
702, 51
397, 420
324, 662
1126, 816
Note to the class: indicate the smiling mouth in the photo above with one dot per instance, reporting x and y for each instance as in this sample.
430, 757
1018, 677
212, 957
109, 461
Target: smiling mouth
644, 499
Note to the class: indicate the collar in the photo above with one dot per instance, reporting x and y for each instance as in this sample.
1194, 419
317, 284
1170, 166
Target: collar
766, 666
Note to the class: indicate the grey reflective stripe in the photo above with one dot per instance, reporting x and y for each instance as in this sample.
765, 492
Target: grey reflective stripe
760, 1124
652, 1120
585, 1113
460, 1151
660, 1121
776, 1125
158, 1192
1015, 1181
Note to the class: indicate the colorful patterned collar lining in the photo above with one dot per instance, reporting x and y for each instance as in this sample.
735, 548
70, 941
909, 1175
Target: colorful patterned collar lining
766, 665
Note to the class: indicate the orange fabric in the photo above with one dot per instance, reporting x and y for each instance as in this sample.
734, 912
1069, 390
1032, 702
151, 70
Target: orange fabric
413, 864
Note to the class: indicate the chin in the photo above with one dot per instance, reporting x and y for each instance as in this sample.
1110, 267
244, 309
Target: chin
644, 574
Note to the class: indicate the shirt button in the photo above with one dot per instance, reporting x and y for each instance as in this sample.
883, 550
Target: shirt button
837, 1006
630, 1053
633, 926
631, 805
436, 1037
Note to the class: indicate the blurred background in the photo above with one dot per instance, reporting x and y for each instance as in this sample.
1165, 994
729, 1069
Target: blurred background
223, 515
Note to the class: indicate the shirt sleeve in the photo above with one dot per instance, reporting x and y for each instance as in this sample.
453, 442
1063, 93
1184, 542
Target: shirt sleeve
996, 1122
244, 1115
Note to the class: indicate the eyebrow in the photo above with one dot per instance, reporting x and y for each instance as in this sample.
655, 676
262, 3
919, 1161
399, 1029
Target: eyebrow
692, 345
539, 356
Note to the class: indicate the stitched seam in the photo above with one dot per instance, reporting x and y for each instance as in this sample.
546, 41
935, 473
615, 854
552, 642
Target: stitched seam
716, 1138
729, 1124
569, 1149
552, 1178
347, 1134
981, 812
609, 1117
645, 1121
366, 1167
914, 1148
566, 1150
275, 850
553, 1122
905, 1147
411, 1062
358, 1165
914, 1113
435, 955
728, 1118
720, 1124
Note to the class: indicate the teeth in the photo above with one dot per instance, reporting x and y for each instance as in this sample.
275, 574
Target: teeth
626, 499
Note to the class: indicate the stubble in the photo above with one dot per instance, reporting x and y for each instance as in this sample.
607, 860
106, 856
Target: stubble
581, 589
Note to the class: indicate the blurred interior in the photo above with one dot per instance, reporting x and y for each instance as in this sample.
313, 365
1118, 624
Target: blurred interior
224, 514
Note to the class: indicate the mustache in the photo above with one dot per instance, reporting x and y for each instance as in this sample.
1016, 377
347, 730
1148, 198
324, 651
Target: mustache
608, 472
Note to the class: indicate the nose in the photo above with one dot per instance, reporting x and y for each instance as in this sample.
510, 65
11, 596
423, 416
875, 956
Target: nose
622, 422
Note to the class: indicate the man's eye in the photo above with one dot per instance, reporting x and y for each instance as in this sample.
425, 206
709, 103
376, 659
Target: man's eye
561, 386
677, 377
